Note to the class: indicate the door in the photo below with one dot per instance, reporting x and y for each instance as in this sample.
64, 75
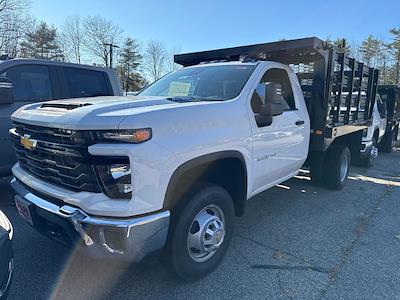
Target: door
31, 83
279, 149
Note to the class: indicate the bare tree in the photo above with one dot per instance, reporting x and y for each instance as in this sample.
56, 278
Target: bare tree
9, 6
72, 38
13, 24
99, 32
171, 65
154, 59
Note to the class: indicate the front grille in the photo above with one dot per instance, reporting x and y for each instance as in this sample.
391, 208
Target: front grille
60, 156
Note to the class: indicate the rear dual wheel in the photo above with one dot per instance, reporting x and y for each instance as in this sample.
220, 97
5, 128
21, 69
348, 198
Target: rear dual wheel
337, 166
332, 169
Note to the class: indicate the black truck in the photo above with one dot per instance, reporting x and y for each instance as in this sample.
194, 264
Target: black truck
390, 94
339, 92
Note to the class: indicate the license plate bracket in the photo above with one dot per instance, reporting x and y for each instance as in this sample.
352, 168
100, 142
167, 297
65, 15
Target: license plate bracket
24, 209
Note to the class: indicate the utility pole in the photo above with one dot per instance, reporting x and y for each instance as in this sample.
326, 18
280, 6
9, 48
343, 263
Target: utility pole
112, 46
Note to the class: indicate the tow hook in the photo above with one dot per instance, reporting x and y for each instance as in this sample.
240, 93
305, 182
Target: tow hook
75, 217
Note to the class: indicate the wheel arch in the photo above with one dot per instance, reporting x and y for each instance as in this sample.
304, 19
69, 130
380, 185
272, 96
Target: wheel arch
218, 168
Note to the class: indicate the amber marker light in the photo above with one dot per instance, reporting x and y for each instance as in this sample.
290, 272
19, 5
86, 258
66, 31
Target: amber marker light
142, 135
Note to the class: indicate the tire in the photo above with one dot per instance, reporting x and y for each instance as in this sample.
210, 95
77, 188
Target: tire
337, 165
388, 141
369, 161
209, 207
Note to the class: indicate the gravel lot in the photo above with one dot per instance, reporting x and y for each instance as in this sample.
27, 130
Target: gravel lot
295, 241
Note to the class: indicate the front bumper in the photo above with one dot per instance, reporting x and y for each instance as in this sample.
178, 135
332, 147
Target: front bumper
129, 239
366, 147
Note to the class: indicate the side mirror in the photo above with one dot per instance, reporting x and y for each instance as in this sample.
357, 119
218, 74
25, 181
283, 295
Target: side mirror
6, 91
263, 120
272, 109
271, 93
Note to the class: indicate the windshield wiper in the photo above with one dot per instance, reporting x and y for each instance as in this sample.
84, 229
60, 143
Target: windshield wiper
183, 99
189, 99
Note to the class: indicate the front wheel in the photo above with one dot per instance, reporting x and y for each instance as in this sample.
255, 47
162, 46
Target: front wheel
201, 232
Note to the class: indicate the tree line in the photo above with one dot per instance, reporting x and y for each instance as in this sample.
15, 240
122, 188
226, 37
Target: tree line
87, 40
376, 53
83, 40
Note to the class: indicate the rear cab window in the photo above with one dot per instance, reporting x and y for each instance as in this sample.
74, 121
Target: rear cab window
85, 83
31, 83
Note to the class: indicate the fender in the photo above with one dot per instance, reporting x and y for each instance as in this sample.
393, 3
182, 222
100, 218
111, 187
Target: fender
191, 165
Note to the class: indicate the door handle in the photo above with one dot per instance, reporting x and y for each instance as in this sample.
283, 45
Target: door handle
299, 122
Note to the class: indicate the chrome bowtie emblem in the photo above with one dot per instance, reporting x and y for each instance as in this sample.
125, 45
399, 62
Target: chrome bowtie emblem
28, 143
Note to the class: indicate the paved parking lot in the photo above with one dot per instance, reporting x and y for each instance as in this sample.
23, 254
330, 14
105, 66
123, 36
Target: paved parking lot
295, 241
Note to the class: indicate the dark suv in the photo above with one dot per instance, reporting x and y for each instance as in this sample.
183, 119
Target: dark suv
24, 81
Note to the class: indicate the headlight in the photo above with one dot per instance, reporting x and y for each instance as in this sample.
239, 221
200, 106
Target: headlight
116, 180
134, 136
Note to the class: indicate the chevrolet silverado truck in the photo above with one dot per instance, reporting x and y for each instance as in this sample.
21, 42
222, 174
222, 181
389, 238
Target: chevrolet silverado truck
24, 81
171, 167
374, 134
390, 95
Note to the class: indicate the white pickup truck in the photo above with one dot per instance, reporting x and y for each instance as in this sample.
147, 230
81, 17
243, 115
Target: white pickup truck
172, 167
374, 134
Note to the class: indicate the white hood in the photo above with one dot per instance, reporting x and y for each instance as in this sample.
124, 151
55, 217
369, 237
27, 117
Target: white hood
89, 113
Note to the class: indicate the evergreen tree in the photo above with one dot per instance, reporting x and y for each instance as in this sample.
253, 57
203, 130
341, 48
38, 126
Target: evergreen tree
129, 61
42, 43
369, 50
343, 45
395, 48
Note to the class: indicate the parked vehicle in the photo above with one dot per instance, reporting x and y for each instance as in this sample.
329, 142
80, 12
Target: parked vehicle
390, 95
24, 81
6, 255
174, 165
374, 134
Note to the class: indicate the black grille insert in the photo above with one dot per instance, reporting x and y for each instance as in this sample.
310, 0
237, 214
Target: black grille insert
60, 156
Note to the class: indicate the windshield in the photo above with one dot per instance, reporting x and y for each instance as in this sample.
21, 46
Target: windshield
213, 83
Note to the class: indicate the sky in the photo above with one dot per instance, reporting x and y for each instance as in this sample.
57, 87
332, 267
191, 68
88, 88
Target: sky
202, 25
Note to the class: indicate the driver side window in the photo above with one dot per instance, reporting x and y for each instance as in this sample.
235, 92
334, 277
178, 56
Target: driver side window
277, 76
